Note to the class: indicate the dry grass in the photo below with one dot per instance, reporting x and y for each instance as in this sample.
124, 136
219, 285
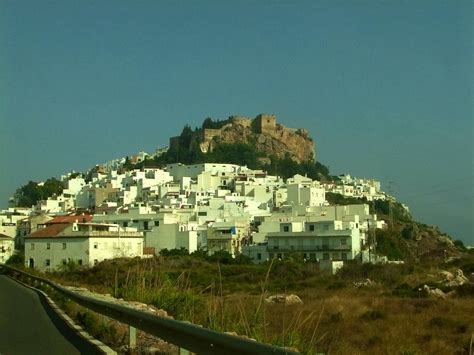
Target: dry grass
335, 318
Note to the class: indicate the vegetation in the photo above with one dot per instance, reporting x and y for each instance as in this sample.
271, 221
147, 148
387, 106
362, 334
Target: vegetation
335, 316
217, 124
29, 194
187, 151
16, 260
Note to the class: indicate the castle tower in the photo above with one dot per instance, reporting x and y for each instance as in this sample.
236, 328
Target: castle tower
265, 123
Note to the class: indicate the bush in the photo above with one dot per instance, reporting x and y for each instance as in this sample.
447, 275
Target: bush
174, 252
406, 291
373, 314
17, 259
466, 290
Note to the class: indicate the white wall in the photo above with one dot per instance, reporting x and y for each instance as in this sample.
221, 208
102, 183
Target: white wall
7, 248
79, 249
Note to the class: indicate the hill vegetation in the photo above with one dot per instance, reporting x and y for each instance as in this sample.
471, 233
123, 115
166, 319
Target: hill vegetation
188, 152
32, 192
335, 316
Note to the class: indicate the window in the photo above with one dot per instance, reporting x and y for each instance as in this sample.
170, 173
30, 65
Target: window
96, 261
32, 246
259, 256
96, 245
325, 256
344, 256
157, 223
312, 256
311, 227
48, 246
48, 262
343, 241
335, 256
286, 228
64, 246
79, 261
125, 224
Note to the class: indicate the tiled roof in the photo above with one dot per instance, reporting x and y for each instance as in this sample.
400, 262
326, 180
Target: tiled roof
5, 237
50, 231
148, 251
70, 219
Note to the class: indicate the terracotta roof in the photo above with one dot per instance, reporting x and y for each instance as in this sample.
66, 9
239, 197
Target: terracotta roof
50, 231
70, 219
3, 237
148, 251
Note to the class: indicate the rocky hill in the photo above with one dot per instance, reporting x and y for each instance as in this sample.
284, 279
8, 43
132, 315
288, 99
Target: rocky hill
263, 133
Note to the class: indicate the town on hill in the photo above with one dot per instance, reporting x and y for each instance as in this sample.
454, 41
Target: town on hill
246, 187
237, 227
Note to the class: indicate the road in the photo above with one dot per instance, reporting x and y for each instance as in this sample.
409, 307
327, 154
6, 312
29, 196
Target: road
29, 326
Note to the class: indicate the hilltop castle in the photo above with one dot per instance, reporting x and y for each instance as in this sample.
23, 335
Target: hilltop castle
263, 132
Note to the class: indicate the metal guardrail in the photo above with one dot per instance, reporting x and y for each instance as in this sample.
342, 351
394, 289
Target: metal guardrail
185, 335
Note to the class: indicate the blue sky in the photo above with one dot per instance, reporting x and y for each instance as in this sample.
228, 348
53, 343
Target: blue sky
384, 87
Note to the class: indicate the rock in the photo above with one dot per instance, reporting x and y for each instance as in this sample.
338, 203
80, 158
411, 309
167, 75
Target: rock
446, 274
282, 298
365, 283
453, 280
434, 292
263, 133
151, 350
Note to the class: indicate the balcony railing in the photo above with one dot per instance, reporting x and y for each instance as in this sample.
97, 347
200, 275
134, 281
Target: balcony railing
310, 248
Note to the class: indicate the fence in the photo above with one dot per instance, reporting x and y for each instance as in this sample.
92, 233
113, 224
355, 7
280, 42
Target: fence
188, 337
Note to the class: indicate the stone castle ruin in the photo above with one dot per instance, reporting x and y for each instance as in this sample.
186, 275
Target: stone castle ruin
263, 132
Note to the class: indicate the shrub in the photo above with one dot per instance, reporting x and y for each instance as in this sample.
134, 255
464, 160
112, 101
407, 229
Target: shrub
405, 290
373, 315
439, 322
466, 290
17, 259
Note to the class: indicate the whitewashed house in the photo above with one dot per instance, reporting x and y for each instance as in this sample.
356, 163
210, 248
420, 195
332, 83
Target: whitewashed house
7, 246
305, 195
227, 236
313, 240
84, 244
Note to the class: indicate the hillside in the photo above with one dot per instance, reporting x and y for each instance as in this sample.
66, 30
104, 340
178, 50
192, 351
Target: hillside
263, 133
259, 143
405, 238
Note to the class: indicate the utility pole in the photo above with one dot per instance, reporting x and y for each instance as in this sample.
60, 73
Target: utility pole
368, 239
390, 211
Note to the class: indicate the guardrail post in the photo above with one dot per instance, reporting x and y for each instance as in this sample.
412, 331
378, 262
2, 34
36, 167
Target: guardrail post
132, 337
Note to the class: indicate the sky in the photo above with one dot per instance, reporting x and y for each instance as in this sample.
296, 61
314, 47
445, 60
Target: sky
385, 88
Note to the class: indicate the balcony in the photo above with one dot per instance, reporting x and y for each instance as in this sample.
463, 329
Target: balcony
314, 248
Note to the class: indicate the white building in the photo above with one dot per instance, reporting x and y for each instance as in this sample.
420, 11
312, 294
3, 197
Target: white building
313, 240
84, 244
227, 236
6, 248
9, 220
178, 170
305, 195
